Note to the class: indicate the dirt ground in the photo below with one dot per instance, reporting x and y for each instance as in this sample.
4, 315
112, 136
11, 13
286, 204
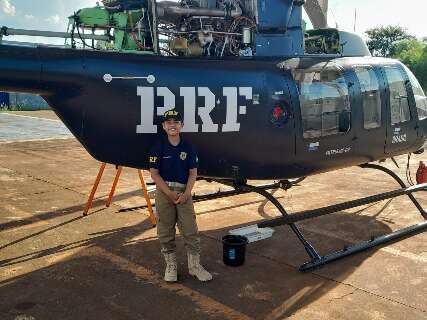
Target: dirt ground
57, 264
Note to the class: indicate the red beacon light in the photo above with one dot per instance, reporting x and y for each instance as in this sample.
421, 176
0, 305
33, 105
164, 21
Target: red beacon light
279, 115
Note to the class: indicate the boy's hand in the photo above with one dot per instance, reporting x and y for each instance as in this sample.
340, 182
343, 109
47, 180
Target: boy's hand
183, 198
173, 195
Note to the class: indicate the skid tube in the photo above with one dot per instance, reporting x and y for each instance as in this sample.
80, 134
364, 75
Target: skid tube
317, 260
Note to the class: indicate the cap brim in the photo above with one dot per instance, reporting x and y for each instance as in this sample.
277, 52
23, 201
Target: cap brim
171, 118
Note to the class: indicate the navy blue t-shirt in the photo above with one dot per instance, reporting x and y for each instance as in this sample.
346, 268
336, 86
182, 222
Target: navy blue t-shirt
173, 162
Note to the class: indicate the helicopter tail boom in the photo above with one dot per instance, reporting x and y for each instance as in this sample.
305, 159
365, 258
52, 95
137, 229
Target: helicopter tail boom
20, 69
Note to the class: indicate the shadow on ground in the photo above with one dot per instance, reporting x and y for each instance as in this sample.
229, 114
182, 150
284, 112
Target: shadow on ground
113, 276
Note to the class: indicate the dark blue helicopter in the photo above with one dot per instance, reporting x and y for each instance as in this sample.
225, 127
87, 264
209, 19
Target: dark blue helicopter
261, 97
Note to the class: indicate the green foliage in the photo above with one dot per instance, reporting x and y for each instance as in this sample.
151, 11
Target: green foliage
420, 70
395, 42
409, 52
18, 107
383, 40
413, 54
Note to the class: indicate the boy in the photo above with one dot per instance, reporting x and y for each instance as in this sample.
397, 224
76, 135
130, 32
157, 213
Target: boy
173, 167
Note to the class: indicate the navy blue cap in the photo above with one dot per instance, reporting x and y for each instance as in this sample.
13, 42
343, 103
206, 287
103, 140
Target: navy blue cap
172, 115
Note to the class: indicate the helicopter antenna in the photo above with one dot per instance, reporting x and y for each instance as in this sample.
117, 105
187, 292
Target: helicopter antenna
333, 15
355, 19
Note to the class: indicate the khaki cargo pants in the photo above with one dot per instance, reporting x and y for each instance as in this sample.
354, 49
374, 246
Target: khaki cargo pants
169, 215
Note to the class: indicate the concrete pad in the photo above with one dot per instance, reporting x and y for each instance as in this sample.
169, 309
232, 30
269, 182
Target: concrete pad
44, 114
22, 127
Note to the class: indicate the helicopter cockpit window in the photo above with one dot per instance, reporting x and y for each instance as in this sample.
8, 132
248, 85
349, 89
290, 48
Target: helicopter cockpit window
420, 98
371, 96
399, 103
324, 100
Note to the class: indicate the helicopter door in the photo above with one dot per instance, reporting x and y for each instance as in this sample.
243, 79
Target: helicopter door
371, 123
402, 122
325, 126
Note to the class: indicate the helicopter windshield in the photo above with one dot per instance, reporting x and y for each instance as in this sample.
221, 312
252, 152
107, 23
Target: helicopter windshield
420, 98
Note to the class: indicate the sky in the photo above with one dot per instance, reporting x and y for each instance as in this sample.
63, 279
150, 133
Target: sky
409, 14
52, 15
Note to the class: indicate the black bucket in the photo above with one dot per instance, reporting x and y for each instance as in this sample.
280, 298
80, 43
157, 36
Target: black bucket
234, 248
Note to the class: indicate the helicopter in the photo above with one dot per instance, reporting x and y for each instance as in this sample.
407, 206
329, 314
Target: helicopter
261, 97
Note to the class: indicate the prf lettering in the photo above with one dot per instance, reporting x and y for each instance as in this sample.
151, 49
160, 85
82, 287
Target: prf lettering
231, 94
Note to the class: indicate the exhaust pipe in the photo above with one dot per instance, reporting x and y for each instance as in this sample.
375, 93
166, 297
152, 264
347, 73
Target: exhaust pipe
169, 11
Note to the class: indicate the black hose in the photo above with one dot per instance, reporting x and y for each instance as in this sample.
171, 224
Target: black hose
84, 42
408, 171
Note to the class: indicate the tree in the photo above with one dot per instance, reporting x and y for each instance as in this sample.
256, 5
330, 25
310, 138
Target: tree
413, 54
383, 40
410, 52
420, 70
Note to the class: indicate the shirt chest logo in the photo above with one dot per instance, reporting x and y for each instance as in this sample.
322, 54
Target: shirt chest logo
183, 155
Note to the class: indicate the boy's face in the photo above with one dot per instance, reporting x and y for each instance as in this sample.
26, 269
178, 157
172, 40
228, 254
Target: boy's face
172, 127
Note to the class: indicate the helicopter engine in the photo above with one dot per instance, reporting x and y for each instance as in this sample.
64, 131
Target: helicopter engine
207, 27
220, 28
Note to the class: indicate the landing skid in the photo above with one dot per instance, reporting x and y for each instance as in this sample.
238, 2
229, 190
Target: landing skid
315, 259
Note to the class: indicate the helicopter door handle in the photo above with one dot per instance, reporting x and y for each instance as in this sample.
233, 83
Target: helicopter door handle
399, 97
354, 138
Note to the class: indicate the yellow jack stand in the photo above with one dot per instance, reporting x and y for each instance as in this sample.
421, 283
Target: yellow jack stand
113, 189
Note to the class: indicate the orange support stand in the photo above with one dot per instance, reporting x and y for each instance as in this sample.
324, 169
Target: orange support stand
147, 198
95, 186
113, 189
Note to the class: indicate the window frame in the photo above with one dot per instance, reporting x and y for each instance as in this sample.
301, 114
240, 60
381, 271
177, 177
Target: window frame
375, 72
416, 88
318, 69
404, 81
